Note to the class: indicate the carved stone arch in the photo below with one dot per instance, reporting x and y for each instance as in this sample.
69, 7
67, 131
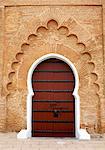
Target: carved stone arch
70, 29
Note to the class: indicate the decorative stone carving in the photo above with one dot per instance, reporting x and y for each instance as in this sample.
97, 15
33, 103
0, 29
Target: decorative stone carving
51, 34
54, 34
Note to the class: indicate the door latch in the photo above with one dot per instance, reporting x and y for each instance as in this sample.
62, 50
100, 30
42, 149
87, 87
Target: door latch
55, 113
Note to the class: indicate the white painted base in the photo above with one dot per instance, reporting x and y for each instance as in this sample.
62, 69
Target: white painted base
83, 135
24, 134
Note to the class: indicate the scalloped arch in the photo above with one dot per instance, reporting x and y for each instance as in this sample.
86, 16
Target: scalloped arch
24, 47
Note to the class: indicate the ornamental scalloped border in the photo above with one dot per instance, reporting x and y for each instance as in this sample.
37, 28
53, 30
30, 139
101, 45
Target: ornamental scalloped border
19, 55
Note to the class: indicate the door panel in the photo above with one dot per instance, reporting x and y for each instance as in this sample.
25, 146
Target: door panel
50, 116
53, 66
51, 106
49, 85
53, 76
50, 96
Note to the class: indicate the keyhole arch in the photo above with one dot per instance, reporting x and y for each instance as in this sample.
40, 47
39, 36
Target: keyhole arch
79, 133
75, 92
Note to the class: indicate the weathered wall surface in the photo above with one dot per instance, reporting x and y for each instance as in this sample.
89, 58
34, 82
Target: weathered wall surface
70, 30
2, 100
103, 45
50, 2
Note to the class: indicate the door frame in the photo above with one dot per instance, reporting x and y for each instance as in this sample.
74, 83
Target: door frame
79, 133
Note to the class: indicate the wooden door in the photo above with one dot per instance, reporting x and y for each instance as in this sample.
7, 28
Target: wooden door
53, 105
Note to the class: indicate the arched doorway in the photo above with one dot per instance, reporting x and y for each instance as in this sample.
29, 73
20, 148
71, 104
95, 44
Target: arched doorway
78, 133
53, 103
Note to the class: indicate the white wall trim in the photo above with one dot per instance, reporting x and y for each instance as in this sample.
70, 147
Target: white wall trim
80, 133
